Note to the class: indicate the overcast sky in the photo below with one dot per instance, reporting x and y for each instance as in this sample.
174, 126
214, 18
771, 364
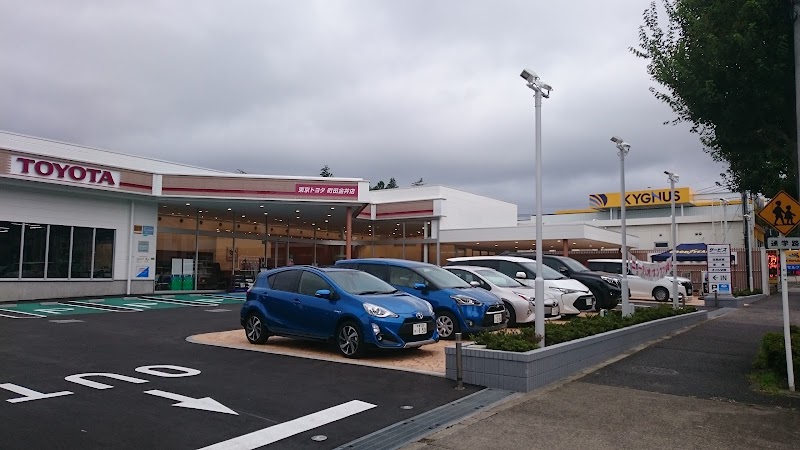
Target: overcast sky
374, 89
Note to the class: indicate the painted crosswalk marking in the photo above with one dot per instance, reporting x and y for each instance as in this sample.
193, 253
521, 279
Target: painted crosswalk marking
284, 430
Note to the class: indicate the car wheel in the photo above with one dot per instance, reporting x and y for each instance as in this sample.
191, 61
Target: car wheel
255, 330
446, 325
660, 294
348, 337
512, 316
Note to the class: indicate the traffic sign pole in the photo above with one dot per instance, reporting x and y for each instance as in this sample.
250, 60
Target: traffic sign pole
786, 336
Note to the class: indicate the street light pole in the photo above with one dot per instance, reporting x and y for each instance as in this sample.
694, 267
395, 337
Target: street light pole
724, 220
623, 149
538, 86
673, 178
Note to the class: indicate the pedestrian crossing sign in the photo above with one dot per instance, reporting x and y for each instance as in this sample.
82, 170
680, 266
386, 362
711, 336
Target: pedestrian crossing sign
781, 213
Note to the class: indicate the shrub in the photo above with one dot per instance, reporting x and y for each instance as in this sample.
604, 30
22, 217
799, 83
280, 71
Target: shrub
525, 339
771, 357
746, 292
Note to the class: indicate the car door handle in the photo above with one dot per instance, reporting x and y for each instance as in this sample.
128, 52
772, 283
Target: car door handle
296, 302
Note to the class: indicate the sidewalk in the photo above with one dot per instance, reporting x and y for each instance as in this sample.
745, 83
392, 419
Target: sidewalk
688, 391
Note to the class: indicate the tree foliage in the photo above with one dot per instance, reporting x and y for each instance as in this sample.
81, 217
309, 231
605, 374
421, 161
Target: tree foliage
727, 68
325, 171
381, 185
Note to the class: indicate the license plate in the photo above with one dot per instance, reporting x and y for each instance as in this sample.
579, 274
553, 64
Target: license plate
420, 328
498, 318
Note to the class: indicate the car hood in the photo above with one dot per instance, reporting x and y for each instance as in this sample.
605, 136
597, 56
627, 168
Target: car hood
530, 291
399, 303
595, 274
567, 283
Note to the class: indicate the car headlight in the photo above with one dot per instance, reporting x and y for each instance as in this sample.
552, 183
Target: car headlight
430, 308
611, 280
378, 311
465, 300
565, 290
525, 297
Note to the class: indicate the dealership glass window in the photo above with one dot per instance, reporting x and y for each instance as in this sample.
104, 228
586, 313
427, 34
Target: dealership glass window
82, 242
103, 253
10, 235
33, 250
58, 251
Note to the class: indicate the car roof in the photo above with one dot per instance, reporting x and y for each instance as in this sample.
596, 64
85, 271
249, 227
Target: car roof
386, 261
490, 258
468, 268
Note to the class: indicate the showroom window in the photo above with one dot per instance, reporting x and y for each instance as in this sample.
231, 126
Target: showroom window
10, 237
38, 251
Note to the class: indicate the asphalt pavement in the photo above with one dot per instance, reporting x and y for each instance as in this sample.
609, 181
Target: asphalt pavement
689, 390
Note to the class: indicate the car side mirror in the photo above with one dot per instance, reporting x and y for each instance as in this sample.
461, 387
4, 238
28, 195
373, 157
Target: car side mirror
420, 286
474, 283
563, 270
323, 293
520, 275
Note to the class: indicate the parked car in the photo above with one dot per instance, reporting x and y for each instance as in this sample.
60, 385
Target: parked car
459, 307
605, 287
352, 308
660, 290
518, 298
574, 295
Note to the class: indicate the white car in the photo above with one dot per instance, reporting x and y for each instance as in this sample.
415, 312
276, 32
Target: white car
574, 296
660, 290
519, 298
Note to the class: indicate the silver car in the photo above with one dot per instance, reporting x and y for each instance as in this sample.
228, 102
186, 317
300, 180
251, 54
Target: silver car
518, 298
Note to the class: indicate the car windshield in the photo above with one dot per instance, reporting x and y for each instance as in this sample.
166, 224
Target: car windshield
360, 283
498, 279
442, 279
547, 272
574, 265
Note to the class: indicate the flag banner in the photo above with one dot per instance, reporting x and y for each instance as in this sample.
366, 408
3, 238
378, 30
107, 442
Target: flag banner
648, 271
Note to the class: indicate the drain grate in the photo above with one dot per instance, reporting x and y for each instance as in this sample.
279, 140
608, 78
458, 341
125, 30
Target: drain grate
400, 434
654, 370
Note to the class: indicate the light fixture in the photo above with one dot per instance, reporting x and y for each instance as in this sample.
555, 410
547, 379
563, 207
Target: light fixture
229, 209
622, 150
260, 206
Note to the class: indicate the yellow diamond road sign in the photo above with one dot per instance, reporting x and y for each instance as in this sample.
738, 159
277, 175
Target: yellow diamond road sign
782, 213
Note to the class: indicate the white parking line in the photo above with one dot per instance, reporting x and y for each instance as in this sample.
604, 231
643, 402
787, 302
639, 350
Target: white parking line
284, 430
35, 316
102, 307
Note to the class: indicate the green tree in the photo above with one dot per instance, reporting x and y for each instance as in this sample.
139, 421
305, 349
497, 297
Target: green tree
325, 172
727, 69
392, 183
380, 185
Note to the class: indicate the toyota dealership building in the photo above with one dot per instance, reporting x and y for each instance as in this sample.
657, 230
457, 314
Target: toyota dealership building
78, 221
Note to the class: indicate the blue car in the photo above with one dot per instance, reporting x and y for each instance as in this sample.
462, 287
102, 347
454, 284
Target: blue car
459, 306
352, 308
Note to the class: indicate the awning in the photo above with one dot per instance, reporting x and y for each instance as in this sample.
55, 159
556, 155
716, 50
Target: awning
684, 253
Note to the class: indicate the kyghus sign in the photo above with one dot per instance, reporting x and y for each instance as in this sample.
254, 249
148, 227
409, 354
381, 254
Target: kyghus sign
63, 172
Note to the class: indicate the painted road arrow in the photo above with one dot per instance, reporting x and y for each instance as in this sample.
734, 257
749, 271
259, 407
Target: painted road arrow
205, 403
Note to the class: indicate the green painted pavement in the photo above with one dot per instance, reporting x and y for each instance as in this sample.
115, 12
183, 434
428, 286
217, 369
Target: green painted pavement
85, 306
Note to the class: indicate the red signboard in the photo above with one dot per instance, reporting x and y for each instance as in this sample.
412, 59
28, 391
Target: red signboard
326, 190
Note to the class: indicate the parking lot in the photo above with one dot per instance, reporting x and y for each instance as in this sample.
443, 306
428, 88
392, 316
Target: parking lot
76, 377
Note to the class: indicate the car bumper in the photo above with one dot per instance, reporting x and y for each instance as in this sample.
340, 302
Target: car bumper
482, 318
399, 332
576, 303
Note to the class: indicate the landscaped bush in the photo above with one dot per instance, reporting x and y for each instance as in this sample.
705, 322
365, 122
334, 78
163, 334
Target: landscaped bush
512, 340
745, 292
770, 362
525, 339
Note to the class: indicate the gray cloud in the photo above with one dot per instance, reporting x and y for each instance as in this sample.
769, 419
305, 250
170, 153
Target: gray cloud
374, 89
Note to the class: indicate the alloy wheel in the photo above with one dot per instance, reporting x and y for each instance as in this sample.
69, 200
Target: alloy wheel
349, 340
